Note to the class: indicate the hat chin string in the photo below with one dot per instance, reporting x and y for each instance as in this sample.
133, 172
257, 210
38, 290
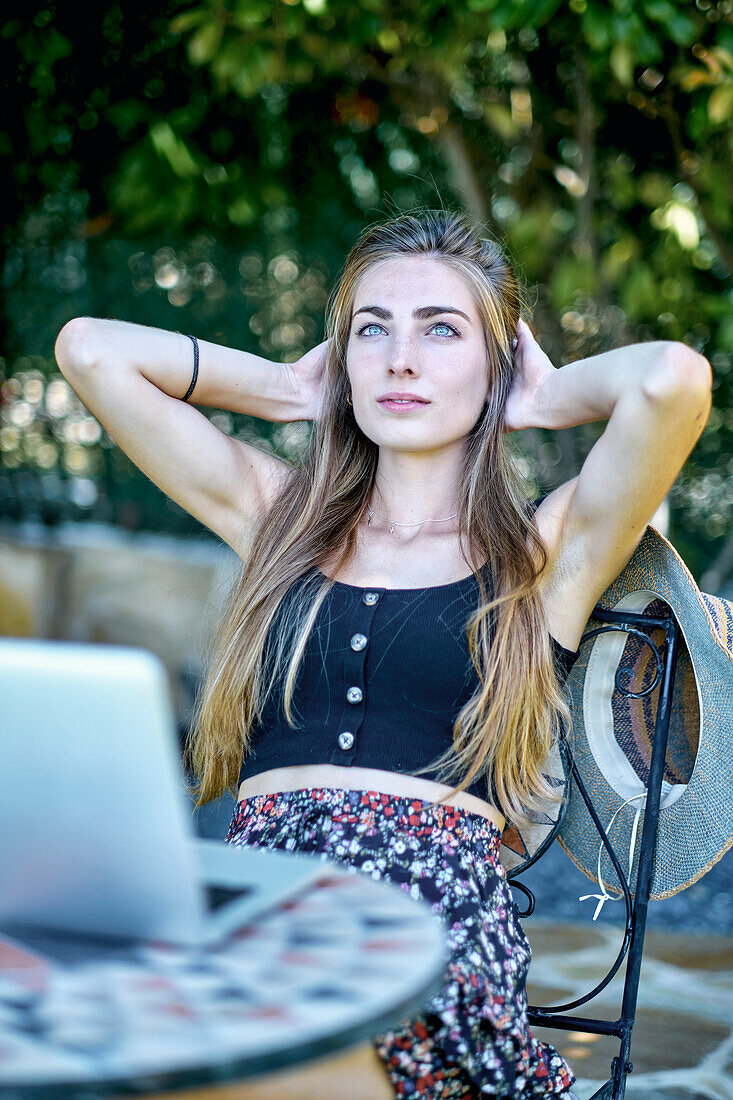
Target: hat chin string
605, 896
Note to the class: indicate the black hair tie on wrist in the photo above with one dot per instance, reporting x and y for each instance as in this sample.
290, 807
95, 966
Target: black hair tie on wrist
195, 364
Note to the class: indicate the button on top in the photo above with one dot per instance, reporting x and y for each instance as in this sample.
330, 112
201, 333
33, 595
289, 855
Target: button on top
346, 740
354, 695
370, 598
358, 641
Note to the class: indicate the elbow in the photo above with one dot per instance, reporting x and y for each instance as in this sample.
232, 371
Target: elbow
74, 346
681, 372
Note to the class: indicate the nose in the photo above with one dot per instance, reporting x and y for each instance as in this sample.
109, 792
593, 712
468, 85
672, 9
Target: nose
401, 356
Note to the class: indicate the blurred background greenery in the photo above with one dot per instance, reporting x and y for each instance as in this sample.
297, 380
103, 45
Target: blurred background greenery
206, 168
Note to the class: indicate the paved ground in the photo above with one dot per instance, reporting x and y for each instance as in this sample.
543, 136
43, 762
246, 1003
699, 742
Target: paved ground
682, 1044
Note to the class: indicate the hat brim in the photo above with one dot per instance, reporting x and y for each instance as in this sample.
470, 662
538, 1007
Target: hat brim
695, 818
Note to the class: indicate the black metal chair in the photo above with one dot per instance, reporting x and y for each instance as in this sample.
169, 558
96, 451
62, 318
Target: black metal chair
636, 908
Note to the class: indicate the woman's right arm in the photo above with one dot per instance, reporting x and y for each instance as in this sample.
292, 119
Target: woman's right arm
132, 377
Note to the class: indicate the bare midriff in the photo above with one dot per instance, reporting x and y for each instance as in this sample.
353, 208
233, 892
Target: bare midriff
301, 776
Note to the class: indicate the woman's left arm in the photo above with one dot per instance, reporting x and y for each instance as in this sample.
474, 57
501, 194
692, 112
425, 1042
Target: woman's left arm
657, 398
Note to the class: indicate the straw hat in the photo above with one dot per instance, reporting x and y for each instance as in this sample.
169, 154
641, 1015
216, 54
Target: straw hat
612, 733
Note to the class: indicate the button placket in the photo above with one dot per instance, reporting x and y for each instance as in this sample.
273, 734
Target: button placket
357, 629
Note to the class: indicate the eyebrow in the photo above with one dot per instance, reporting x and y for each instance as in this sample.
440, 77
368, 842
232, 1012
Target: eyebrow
423, 313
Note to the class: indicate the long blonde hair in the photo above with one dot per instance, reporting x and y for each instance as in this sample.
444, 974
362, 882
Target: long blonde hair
510, 725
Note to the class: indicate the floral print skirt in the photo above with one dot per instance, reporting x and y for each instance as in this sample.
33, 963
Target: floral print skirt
472, 1038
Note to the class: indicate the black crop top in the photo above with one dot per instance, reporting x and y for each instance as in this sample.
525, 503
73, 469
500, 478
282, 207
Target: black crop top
383, 676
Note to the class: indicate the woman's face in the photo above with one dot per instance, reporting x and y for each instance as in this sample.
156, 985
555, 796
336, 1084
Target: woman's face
415, 329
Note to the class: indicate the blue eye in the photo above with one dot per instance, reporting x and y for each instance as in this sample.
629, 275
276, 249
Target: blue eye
437, 324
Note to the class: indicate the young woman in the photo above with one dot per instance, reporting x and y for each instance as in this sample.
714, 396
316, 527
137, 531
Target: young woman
386, 680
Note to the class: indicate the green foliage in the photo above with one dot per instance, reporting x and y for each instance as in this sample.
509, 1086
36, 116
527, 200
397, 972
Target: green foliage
591, 138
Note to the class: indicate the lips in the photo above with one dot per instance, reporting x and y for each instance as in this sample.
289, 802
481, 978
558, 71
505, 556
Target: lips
395, 396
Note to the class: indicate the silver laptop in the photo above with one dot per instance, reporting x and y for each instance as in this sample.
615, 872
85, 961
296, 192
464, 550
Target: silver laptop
96, 827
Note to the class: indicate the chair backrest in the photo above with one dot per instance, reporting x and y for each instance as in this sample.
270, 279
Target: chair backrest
636, 907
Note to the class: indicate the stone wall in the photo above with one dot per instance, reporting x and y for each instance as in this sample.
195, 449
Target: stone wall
91, 583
